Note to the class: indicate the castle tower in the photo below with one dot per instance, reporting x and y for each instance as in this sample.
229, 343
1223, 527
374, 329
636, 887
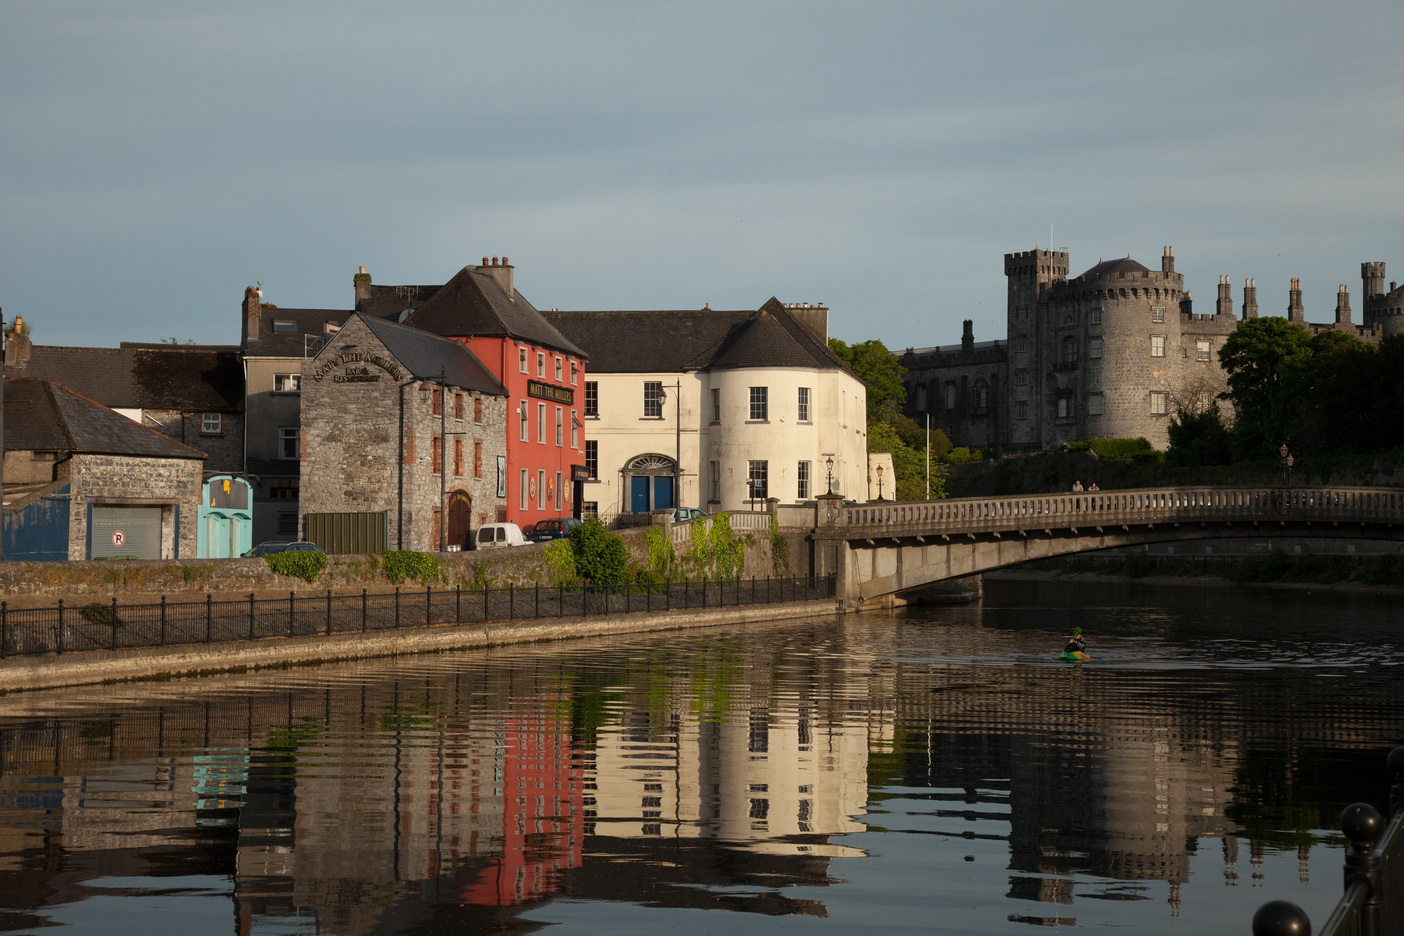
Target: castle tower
1250, 299
1225, 304
1343, 306
1372, 279
1031, 273
1295, 312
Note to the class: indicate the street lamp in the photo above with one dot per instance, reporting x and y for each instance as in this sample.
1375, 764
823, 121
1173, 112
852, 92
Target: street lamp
829, 467
1291, 460
879, 472
1284, 454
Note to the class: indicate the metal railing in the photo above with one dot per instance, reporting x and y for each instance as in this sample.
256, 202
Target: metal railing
1373, 904
113, 625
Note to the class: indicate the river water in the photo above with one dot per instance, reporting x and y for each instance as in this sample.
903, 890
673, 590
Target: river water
932, 770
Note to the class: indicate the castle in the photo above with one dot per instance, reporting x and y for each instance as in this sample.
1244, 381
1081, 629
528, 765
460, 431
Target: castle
1111, 353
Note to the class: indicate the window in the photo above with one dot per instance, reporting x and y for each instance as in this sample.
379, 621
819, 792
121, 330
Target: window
1069, 350
981, 396
802, 480
574, 372
541, 364
457, 405
436, 459
437, 397
653, 399
523, 419
1157, 346
522, 497
287, 524
803, 414
560, 427
288, 437
458, 456
522, 360
1094, 316
541, 423
1094, 404
211, 423
560, 492
950, 396
1094, 347
589, 510
1201, 349
282, 325
592, 458
1021, 410
541, 489
1021, 345
757, 483
592, 399
559, 365
716, 481
1159, 402
574, 430
760, 404
716, 406
1021, 378
1158, 314
477, 409
477, 458
287, 383
1064, 406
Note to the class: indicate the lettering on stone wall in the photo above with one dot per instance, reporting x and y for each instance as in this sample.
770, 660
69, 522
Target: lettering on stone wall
358, 374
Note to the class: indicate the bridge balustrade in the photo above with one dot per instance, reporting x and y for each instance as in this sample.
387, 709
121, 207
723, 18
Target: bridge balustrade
1151, 506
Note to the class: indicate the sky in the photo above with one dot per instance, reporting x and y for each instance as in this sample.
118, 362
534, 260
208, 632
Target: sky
879, 157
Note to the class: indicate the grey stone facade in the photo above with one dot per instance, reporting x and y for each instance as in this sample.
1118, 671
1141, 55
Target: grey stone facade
173, 484
1112, 353
369, 439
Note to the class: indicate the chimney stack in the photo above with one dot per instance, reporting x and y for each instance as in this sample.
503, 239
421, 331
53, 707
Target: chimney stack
1250, 299
501, 273
1225, 304
967, 337
253, 313
1342, 305
1167, 260
362, 282
1295, 312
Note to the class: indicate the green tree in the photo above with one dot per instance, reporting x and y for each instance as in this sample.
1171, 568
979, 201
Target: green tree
1265, 360
1198, 439
880, 371
908, 463
600, 555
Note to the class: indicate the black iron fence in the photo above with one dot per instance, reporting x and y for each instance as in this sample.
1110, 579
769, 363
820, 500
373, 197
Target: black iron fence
1373, 904
112, 625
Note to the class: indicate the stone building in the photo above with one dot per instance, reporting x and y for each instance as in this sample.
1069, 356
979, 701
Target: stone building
1111, 353
386, 410
85, 482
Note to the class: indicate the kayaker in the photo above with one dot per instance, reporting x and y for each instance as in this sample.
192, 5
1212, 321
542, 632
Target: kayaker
1076, 643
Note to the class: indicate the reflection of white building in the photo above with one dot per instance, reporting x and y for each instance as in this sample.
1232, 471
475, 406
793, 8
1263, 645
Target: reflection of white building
719, 410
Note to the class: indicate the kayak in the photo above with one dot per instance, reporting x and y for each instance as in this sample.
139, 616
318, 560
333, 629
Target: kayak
1075, 655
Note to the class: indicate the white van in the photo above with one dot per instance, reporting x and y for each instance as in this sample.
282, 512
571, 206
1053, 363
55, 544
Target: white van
495, 535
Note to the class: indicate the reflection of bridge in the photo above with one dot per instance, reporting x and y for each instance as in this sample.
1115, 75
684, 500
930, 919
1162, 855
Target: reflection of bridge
878, 549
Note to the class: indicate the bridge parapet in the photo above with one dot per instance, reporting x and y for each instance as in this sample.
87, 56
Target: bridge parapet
1139, 507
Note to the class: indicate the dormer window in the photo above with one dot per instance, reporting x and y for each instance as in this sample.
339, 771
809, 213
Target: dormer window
282, 325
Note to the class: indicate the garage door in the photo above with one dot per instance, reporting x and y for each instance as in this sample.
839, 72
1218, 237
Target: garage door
129, 532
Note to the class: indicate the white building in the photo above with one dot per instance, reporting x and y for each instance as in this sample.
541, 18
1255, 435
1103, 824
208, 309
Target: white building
721, 410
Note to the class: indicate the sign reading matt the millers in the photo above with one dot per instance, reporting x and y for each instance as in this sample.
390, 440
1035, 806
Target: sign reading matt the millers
545, 391
354, 374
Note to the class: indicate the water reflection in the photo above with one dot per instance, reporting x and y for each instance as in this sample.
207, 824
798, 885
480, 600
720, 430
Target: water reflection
864, 771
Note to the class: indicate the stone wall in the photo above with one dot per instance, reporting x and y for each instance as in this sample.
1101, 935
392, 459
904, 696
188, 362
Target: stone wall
224, 450
121, 479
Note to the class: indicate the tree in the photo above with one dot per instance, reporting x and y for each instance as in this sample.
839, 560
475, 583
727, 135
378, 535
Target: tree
909, 464
1265, 360
1198, 439
880, 370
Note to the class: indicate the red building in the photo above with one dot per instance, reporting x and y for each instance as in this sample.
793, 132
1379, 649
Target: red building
543, 371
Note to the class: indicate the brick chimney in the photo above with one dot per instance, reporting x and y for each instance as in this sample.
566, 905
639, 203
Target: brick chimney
1342, 305
362, 282
1295, 312
1225, 304
253, 313
17, 345
1250, 299
1167, 260
501, 272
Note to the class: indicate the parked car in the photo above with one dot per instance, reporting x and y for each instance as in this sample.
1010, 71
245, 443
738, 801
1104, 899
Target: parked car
543, 531
273, 546
683, 514
498, 535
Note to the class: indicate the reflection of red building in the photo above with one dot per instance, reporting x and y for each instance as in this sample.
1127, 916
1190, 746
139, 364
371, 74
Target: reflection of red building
542, 814
544, 374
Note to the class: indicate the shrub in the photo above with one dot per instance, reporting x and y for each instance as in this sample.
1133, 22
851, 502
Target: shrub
304, 565
600, 556
402, 564
728, 550
559, 558
660, 551
1121, 450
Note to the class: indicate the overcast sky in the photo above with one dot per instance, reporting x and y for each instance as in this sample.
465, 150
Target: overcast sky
160, 156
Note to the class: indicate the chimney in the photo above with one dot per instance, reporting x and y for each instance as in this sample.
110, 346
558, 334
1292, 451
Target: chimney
253, 312
1342, 305
1250, 299
362, 283
501, 272
1167, 260
1295, 312
967, 337
1225, 304
17, 345
1187, 304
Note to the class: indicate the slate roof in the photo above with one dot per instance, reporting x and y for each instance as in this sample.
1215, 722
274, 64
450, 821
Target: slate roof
474, 304
694, 339
189, 378
425, 356
388, 302
44, 416
1120, 265
293, 343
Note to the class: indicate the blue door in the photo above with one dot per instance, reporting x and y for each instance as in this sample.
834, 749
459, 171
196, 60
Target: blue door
638, 494
663, 494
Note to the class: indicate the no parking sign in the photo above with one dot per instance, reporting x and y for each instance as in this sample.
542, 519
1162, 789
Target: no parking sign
118, 538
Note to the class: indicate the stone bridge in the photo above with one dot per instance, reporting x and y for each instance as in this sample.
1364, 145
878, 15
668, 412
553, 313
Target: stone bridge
879, 549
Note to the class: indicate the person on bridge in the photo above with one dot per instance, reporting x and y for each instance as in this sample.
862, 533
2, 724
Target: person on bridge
1076, 643
1077, 487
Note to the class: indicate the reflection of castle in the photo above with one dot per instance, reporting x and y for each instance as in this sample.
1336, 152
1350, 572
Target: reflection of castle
1111, 353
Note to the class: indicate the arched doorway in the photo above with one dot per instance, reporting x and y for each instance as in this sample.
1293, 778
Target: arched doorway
649, 483
460, 513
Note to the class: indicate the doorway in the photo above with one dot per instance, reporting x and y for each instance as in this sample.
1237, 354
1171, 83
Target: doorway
460, 513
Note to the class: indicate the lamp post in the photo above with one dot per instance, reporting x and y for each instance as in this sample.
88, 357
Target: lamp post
1284, 454
1291, 460
829, 468
879, 474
